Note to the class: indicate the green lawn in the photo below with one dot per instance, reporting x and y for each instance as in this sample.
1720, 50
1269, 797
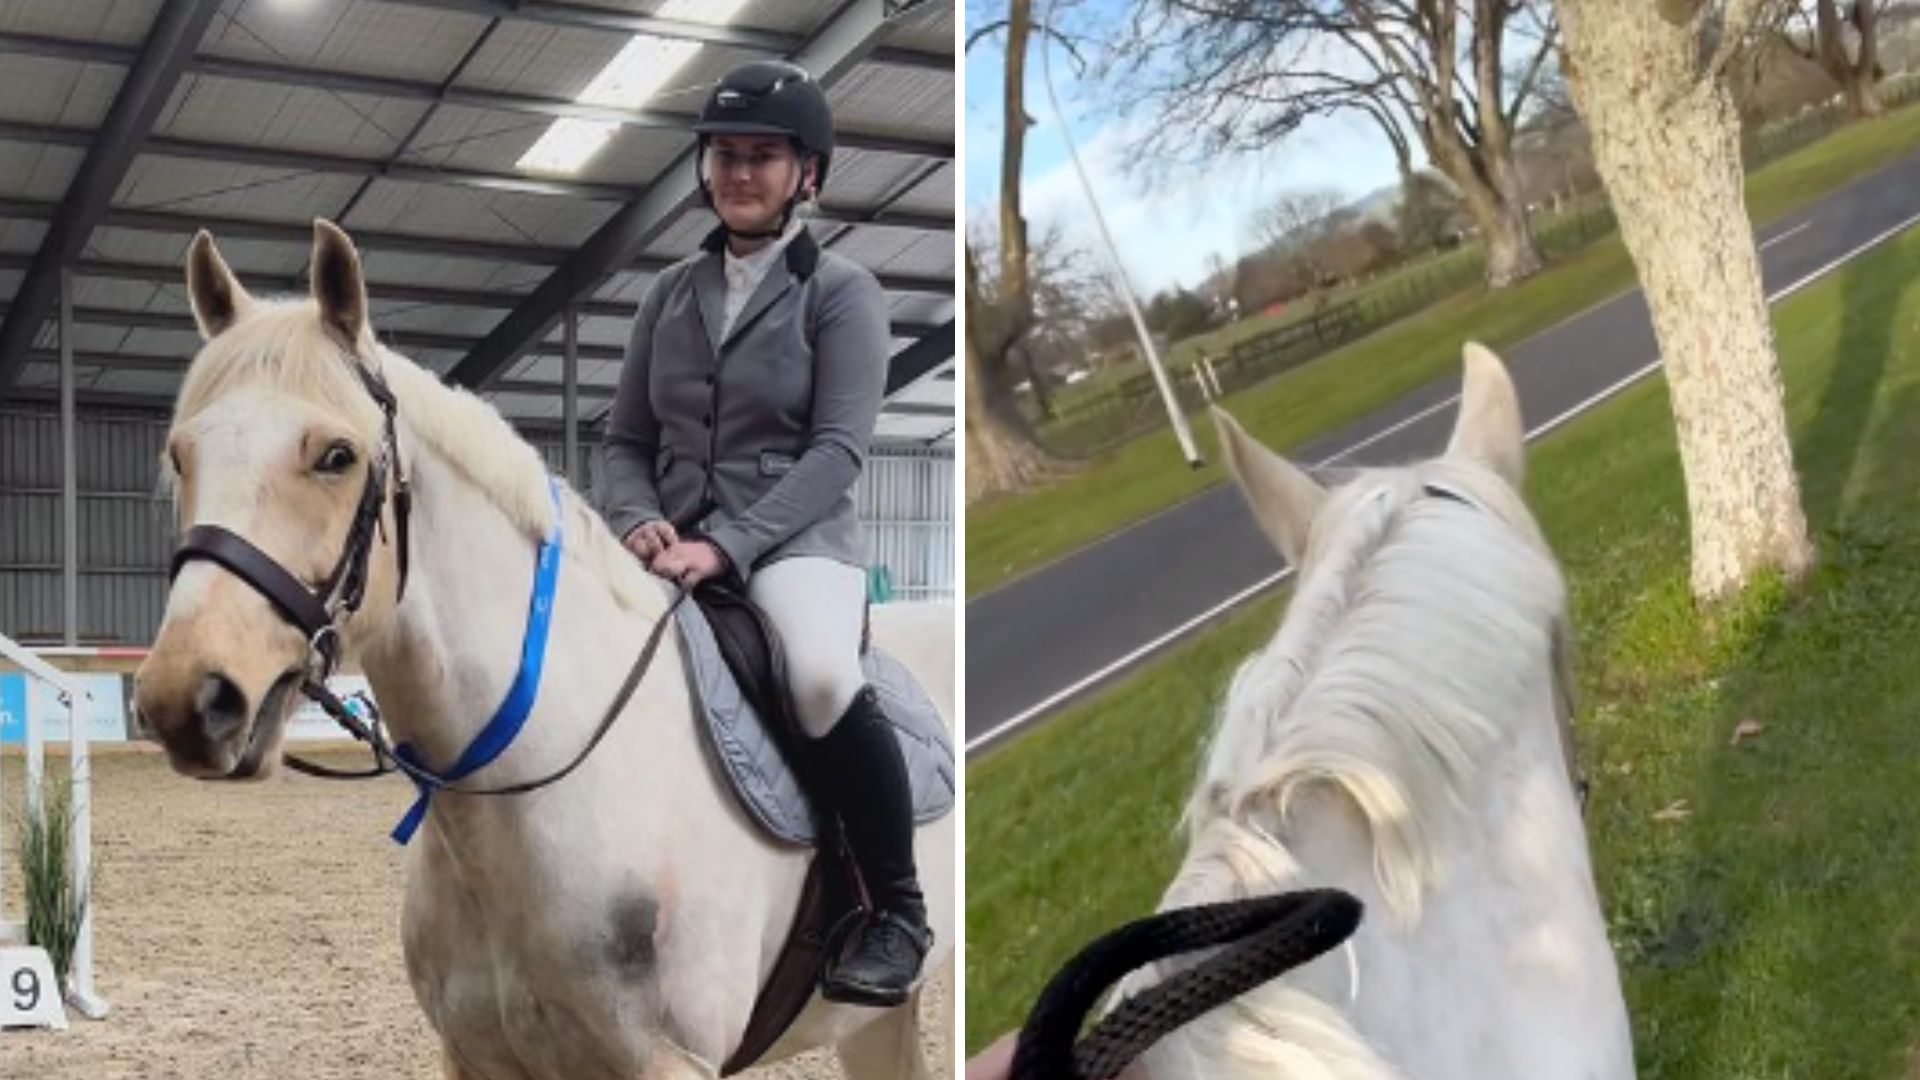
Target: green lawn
1011, 535
1771, 934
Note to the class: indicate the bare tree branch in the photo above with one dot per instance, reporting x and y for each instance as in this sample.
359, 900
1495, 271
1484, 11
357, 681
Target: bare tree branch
1217, 76
1733, 31
979, 33
1523, 90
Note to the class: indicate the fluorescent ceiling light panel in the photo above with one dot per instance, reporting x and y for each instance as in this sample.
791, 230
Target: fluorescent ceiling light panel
628, 81
567, 145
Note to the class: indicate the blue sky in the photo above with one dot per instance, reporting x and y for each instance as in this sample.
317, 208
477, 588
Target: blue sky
1165, 234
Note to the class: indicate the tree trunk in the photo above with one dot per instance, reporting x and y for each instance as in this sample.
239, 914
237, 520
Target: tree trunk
1016, 291
1512, 254
1666, 141
1002, 454
1858, 73
999, 457
1863, 96
1042, 397
1489, 189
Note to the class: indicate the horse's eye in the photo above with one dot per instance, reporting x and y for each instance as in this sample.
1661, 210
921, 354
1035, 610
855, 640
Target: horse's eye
338, 458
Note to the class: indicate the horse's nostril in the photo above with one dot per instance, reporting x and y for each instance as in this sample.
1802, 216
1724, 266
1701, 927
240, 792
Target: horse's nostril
222, 708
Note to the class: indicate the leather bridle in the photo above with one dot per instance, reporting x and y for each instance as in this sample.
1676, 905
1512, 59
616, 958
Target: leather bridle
318, 611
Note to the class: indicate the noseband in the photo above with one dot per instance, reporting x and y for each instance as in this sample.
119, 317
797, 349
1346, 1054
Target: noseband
317, 611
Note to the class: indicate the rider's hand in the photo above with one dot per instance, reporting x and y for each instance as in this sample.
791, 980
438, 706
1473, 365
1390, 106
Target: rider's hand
995, 1062
689, 562
649, 538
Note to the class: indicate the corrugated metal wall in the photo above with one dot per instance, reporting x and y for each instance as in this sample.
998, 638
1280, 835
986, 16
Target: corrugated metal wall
126, 531
906, 499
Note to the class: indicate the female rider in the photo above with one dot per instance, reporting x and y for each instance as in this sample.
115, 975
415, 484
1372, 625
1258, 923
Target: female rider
748, 396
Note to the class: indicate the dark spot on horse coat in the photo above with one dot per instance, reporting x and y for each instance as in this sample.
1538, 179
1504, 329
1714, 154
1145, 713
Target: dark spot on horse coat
636, 919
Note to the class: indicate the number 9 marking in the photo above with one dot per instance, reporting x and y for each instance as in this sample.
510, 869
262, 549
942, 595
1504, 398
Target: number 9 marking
26, 989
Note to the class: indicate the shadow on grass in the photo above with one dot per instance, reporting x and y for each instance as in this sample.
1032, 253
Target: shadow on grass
1779, 937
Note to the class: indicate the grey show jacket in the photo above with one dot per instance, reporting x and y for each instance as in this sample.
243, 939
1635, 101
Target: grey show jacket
755, 441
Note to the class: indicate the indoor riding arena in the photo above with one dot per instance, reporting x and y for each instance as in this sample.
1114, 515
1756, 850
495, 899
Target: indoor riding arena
514, 174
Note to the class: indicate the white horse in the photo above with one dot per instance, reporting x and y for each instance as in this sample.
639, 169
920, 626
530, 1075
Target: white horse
616, 924
1397, 738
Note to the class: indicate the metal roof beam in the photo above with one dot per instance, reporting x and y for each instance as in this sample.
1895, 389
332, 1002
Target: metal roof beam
149, 83
589, 18
482, 179
55, 48
388, 291
920, 359
395, 337
415, 90
120, 361
916, 408
581, 17
828, 56
301, 235
91, 400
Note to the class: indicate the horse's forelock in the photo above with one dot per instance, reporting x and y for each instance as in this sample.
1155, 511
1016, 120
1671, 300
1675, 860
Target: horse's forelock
281, 345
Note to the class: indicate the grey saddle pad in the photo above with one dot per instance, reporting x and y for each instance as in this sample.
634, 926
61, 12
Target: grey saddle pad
751, 760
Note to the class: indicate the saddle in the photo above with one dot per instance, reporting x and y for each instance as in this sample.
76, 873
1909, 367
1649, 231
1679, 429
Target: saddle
736, 668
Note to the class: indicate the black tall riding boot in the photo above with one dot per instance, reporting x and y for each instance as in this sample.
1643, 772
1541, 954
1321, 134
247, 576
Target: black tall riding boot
863, 778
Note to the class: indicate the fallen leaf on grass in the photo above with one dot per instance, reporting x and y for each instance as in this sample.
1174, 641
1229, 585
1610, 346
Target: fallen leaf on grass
1678, 811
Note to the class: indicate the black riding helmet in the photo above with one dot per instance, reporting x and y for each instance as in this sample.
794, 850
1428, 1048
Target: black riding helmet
768, 97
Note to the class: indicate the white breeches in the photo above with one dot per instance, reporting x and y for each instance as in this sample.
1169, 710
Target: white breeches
816, 606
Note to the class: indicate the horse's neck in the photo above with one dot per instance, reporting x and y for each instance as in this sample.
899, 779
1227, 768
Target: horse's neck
640, 835
1512, 905
454, 648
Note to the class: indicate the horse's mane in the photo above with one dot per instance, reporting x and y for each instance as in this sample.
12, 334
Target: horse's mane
283, 344
1384, 684
1385, 678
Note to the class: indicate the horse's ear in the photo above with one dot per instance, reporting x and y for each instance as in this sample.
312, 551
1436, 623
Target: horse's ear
1489, 429
337, 283
216, 295
1283, 498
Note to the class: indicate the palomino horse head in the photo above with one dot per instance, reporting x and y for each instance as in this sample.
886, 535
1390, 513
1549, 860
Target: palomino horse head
277, 440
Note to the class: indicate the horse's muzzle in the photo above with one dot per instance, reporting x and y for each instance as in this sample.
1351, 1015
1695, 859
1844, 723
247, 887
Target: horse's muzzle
211, 728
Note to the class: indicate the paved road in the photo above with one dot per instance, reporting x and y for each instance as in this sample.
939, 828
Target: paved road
1036, 642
